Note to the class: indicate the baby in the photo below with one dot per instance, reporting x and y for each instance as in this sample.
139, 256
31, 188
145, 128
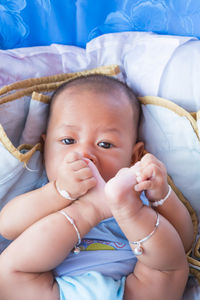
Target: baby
106, 224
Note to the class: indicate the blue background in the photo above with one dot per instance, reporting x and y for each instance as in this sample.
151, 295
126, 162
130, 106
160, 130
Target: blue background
74, 22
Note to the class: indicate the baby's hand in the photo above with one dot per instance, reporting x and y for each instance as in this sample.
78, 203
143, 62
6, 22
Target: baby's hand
75, 176
151, 176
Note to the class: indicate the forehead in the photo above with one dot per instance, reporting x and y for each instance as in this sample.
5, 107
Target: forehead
99, 107
89, 94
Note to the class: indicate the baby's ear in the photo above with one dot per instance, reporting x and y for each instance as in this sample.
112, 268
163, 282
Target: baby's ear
138, 152
43, 137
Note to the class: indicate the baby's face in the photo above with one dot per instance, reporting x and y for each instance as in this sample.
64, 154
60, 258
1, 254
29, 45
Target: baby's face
96, 125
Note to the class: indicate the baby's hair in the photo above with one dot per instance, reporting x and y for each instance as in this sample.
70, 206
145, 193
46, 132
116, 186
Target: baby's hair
100, 84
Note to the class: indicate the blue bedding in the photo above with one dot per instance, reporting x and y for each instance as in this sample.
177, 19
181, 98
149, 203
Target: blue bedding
26, 23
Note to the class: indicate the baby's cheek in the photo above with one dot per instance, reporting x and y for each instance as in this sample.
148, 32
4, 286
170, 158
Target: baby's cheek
52, 169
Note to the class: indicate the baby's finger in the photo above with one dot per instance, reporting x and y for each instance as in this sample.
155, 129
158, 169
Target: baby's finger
84, 173
142, 186
151, 171
143, 174
87, 184
149, 159
90, 182
72, 156
78, 165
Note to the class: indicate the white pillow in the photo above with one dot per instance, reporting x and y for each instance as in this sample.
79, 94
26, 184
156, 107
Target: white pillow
172, 135
31, 62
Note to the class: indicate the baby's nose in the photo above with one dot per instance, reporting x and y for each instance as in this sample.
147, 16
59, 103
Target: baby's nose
90, 156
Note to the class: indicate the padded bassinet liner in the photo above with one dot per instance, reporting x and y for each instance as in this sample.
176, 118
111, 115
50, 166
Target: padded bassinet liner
48, 83
27, 166
176, 142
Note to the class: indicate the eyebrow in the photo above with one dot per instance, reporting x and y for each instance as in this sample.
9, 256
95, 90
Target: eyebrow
111, 130
69, 126
105, 130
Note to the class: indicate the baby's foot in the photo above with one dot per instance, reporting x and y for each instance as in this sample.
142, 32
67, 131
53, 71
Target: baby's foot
123, 181
96, 195
120, 192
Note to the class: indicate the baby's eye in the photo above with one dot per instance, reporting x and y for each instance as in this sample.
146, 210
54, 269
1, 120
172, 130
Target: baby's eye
105, 145
68, 141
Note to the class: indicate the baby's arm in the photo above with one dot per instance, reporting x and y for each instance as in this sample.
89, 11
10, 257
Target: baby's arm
44, 245
74, 176
151, 176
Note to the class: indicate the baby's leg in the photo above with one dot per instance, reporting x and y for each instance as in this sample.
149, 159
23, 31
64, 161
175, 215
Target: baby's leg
15, 285
166, 285
161, 270
25, 265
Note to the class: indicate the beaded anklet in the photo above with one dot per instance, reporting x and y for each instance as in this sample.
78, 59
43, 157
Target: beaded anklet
139, 250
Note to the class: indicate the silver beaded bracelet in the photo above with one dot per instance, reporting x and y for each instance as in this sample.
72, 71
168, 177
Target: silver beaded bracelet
64, 193
160, 202
139, 250
76, 248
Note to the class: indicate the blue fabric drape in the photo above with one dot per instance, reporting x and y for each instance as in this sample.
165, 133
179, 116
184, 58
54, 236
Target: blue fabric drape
74, 22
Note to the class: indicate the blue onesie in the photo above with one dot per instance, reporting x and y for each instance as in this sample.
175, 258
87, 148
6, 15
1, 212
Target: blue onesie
100, 269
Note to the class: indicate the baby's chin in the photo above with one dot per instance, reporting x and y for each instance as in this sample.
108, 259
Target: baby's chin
107, 178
